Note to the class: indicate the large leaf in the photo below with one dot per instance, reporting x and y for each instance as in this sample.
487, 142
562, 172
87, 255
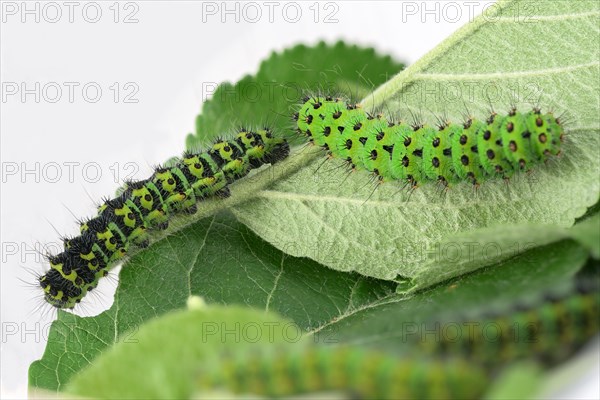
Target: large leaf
385, 323
234, 266
547, 55
220, 260
156, 365
268, 97
232, 350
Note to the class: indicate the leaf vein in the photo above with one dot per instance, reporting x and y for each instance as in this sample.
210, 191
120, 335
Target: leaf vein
502, 75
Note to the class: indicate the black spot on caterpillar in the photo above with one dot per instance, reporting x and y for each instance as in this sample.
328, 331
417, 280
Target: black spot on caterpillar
475, 150
359, 374
147, 205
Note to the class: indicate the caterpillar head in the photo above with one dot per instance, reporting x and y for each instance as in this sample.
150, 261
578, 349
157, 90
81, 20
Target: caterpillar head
62, 293
70, 277
59, 291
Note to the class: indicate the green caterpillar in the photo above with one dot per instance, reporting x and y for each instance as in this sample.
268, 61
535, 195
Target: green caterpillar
549, 329
148, 205
473, 151
361, 374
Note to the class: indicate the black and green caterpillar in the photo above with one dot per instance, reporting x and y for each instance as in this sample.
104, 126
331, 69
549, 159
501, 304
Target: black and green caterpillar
549, 329
474, 151
148, 205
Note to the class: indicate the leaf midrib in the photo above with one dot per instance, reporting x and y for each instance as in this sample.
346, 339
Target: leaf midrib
425, 76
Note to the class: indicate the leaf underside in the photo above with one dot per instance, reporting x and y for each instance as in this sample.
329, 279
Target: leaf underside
548, 57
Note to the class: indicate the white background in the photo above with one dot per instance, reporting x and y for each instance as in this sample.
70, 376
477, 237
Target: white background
168, 54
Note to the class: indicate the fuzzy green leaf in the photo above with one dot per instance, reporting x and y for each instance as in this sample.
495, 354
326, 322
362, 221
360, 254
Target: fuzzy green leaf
234, 266
542, 52
269, 97
222, 261
154, 363
334, 307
